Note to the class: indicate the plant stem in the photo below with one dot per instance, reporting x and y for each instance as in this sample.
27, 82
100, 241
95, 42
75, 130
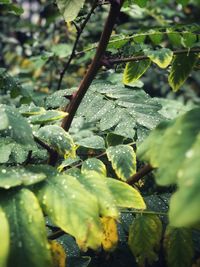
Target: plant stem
79, 32
143, 57
140, 174
144, 212
95, 65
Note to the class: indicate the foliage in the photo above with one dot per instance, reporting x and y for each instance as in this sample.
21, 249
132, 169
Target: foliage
72, 173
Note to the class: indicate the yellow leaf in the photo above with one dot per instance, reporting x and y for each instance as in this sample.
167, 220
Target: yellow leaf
110, 235
58, 254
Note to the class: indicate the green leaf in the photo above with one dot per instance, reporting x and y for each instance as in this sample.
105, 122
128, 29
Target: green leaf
94, 142
156, 38
141, 3
178, 247
113, 139
123, 160
134, 70
189, 39
72, 208
47, 116
162, 57
179, 135
125, 195
30, 110
5, 238
175, 38
69, 8
96, 183
58, 139
29, 245
94, 164
15, 176
184, 205
14, 125
5, 149
182, 2
12, 152
144, 238
9, 83
11, 8
182, 65
61, 50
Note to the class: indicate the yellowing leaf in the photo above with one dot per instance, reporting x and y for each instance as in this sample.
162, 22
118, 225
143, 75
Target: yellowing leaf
182, 65
125, 195
58, 254
5, 239
58, 139
162, 57
94, 164
123, 160
110, 235
144, 238
134, 70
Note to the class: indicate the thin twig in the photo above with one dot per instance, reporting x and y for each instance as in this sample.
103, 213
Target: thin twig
143, 212
95, 65
143, 57
79, 32
56, 234
140, 174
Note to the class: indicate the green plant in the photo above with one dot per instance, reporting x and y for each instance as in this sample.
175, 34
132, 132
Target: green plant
72, 160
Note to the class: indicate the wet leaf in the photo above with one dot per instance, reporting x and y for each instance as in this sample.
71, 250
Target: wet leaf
125, 195
58, 139
58, 254
70, 206
134, 70
178, 247
29, 245
5, 238
93, 164
144, 238
182, 65
123, 160
110, 235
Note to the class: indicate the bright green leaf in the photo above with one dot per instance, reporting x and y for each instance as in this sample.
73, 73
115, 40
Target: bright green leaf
141, 3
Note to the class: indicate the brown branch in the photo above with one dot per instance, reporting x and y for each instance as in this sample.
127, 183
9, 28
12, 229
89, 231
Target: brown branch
95, 65
143, 57
79, 32
53, 155
140, 174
